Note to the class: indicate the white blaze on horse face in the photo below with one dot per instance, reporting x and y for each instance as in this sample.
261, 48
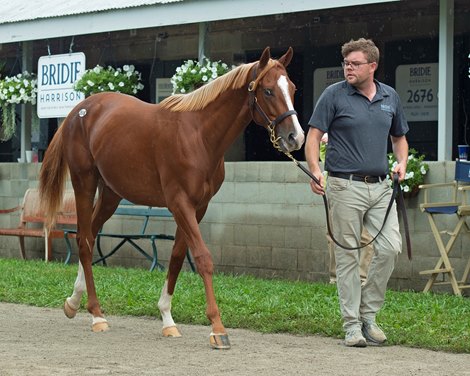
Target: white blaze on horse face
164, 305
284, 86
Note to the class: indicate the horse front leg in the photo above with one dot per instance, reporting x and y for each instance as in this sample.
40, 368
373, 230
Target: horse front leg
188, 224
164, 303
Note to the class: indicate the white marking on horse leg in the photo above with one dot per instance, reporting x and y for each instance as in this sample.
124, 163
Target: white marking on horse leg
89, 246
78, 289
284, 86
164, 305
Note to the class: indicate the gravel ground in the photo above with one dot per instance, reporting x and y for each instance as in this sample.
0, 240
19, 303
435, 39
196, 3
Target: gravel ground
41, 341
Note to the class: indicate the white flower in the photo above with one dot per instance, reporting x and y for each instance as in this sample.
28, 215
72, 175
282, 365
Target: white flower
191, 75
415, 170
125, 80
409, 175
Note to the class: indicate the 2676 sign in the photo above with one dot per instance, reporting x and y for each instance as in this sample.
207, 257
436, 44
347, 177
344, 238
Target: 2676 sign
416, 84
420, 96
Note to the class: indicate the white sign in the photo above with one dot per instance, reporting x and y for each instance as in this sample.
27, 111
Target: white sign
56, 76
416, 84
163, 89
324, 77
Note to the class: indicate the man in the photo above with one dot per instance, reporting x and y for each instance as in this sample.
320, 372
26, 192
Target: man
359, 115
365, 254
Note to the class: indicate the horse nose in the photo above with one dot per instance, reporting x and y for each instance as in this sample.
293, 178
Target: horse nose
296, 139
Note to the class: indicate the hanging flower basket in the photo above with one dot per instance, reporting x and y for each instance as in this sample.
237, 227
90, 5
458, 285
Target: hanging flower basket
124, 80
14, 90
192, 75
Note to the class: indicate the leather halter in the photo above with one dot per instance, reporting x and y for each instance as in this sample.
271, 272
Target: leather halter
253, 101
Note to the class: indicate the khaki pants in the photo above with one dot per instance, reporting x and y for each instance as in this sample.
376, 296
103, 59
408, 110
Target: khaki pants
365, 256
353, 206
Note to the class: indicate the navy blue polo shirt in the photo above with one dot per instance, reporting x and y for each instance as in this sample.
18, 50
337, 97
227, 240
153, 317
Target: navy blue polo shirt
358, 129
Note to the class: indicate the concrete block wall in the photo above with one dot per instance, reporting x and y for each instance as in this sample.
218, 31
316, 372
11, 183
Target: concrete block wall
264, 221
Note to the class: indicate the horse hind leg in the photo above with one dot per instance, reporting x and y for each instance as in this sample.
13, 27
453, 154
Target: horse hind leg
90, 221
72, 303
105, 206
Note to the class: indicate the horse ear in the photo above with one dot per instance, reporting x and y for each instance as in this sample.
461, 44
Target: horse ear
287, 57
265, 56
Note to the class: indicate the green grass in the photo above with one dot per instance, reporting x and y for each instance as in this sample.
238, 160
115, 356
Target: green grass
432, 321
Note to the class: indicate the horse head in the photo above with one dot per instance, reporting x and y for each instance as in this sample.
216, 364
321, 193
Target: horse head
272, 101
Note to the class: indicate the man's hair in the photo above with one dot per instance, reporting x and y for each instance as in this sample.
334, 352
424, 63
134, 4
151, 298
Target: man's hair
367, 46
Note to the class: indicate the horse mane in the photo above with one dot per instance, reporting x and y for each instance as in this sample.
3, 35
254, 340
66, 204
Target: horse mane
200, 98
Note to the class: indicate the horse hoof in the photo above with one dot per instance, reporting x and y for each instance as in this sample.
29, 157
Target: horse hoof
219, 341
69, 311
171, 331
100, 327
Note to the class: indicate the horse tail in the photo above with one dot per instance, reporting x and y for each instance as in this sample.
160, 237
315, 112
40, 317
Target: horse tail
52, 179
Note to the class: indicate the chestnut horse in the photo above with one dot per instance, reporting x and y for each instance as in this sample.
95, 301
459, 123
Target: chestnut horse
167, 155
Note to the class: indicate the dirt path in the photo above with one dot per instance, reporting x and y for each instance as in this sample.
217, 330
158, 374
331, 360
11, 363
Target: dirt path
43, 342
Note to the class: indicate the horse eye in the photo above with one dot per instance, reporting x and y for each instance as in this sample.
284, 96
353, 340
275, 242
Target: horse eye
268, 92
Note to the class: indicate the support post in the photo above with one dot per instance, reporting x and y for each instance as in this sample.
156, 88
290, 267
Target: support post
203, 47
445, 88
26, 109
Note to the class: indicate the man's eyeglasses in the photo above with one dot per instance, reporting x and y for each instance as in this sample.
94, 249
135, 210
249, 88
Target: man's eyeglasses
353, 64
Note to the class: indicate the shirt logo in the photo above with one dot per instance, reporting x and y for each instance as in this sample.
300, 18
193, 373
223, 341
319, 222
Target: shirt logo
386, 107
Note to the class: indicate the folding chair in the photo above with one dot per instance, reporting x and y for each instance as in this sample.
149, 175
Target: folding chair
459, 207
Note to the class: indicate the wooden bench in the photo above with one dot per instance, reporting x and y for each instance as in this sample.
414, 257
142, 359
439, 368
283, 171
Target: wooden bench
128, 209
32, 221
31, 224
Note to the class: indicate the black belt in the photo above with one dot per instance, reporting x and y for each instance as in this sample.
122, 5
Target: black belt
363, 178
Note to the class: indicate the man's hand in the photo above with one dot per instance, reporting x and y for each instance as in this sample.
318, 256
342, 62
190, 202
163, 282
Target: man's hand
318, 189
400, 169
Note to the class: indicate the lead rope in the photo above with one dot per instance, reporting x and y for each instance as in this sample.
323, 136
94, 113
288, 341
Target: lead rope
396, 193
